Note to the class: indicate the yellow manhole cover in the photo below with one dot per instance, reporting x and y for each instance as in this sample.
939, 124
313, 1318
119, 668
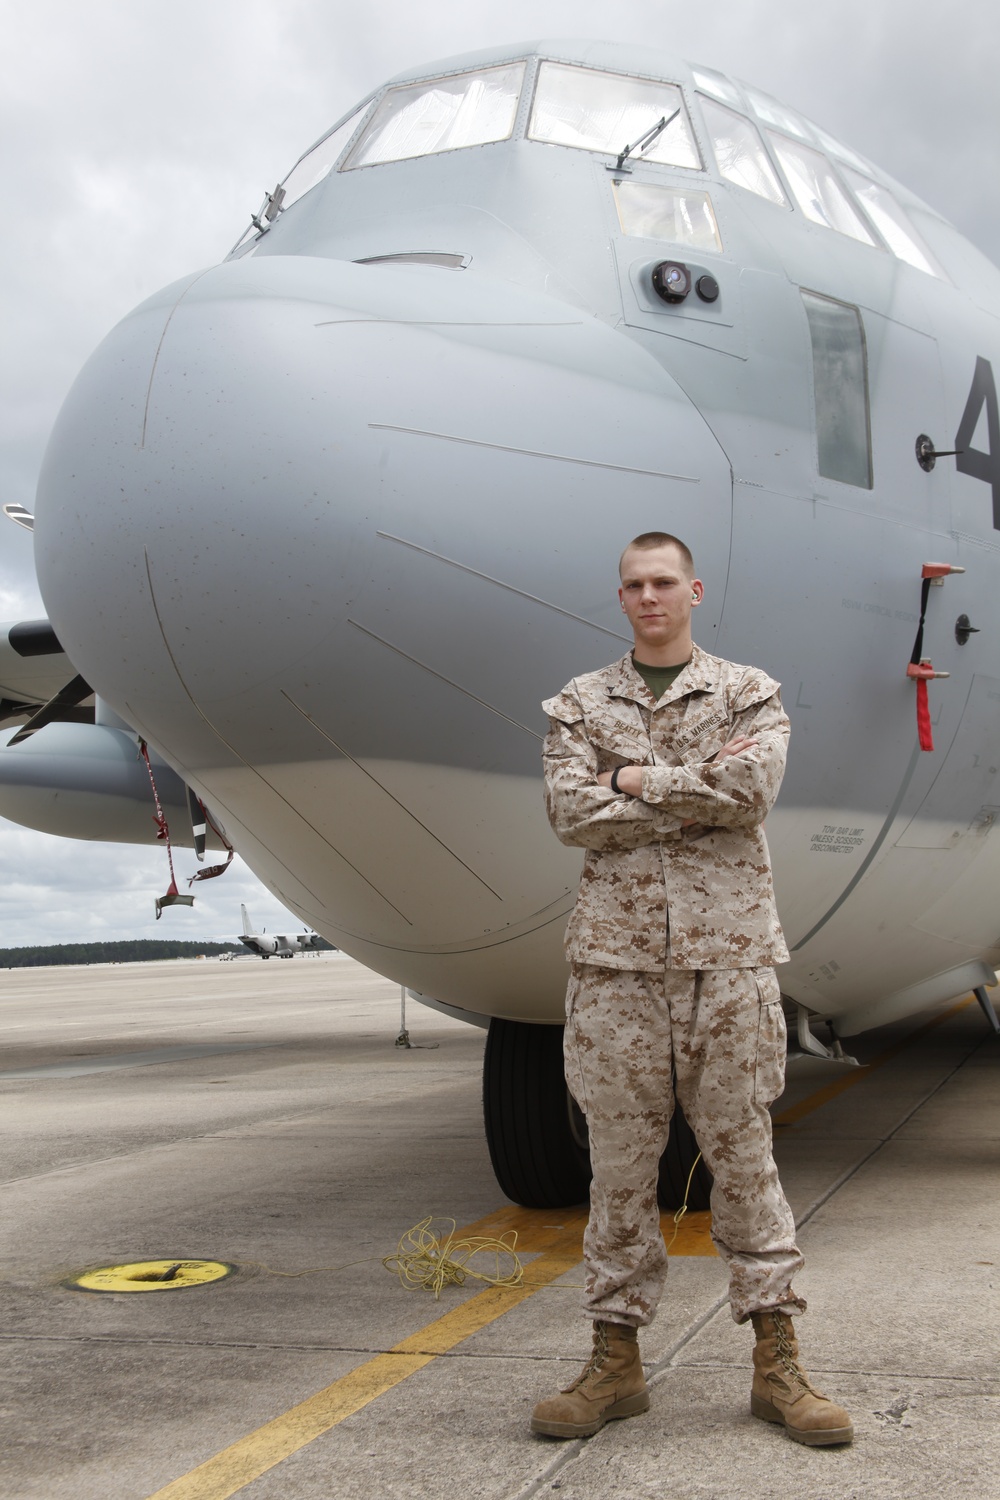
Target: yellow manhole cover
151, 1276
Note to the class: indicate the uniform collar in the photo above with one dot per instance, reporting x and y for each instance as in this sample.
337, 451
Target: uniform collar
700, 675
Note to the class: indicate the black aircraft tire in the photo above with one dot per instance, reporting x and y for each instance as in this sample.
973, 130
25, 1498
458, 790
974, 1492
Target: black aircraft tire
675, 1168
536, 1136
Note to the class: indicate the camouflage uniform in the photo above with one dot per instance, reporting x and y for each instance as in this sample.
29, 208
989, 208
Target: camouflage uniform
672, 944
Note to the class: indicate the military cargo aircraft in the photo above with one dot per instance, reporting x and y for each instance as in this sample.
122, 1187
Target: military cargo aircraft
265, 944
324, 523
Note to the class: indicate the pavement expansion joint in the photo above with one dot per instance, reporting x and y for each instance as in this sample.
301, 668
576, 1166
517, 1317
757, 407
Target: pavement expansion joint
114, 1340
656, 1372
854, 1370
667, 1360
255, 1130
565, 1455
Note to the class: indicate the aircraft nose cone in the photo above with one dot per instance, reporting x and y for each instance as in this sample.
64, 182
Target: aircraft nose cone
327, 534
239, 466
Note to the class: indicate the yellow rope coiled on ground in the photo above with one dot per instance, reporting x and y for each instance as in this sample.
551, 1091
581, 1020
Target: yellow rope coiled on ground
429, 1259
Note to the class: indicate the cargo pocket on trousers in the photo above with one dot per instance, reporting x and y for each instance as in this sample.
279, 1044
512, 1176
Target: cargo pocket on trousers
769, 1070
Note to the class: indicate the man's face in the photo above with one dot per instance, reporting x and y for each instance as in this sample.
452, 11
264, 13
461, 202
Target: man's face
658, 595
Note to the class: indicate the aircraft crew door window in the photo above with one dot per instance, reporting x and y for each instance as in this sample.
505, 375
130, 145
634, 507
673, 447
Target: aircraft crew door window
816, 190
604, 112
840, 387
740, 152
420, 119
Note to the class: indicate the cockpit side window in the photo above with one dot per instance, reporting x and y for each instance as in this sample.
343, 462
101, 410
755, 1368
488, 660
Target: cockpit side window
716, 84
891, 222
772, 112
840, 387
739, 151
445, 114
816, 189
606, 112
840, 153
316, 164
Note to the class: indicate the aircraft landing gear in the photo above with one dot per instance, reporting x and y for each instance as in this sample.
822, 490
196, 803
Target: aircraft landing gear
537, 1135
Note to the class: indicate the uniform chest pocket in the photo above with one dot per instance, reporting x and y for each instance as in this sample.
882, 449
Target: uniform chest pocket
703, 749
618, 742
701, 740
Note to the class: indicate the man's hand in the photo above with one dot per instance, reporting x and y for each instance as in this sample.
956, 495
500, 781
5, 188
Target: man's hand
630, 777
736, 746
630, 782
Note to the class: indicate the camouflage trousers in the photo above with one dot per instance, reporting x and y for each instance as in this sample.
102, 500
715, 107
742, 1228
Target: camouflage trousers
720, 1033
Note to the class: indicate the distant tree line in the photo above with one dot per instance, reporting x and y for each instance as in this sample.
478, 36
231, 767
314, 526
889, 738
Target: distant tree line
130, 951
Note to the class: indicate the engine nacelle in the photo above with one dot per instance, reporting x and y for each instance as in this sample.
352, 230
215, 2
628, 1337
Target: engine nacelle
89, 781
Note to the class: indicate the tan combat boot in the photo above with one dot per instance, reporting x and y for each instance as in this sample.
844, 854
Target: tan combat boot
611, 1384
781, 1391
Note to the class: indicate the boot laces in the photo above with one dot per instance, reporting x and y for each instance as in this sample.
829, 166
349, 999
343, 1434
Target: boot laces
598, 1357
786, 1355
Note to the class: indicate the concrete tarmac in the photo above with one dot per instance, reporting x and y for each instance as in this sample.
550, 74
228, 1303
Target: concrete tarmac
259, 1114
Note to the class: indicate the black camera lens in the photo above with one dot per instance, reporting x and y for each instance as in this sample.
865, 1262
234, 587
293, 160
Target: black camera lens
671, 280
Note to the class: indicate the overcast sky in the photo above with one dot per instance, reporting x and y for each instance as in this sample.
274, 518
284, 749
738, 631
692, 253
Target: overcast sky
139, 135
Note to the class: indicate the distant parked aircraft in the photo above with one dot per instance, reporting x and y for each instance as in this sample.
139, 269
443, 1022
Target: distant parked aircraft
279, 943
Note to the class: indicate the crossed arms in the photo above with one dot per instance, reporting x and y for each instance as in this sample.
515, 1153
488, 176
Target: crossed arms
734, 786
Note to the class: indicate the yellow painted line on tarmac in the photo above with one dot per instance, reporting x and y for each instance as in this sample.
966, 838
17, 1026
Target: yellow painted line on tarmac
797, 1112
552, 1236
557, 1247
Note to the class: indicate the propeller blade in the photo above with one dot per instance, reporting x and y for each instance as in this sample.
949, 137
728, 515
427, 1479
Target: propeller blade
20, 516
63, 707
199, 825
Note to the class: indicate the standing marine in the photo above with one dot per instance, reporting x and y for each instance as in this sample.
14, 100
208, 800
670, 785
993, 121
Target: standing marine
663, 767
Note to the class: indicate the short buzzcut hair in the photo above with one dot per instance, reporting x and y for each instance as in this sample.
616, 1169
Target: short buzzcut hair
648, 540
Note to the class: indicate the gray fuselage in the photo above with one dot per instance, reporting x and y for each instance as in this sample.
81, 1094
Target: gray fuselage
327, 521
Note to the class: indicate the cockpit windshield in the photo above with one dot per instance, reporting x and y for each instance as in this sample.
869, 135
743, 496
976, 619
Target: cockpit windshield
607, 112
444, 114
643, 119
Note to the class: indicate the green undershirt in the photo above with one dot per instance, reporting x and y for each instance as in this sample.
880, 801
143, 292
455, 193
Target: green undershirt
658, 679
